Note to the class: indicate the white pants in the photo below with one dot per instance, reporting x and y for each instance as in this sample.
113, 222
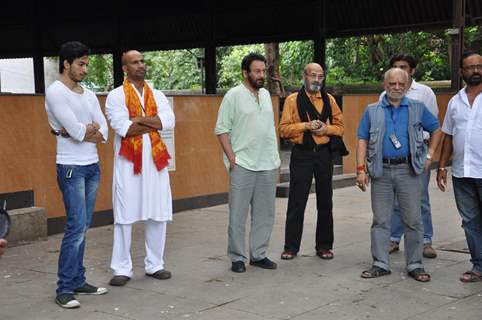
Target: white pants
155, 240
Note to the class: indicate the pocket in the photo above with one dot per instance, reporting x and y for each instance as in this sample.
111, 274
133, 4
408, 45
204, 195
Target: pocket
373, 140
418, 131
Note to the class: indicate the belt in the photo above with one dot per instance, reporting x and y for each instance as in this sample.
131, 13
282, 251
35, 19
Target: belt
397, 160
314, 148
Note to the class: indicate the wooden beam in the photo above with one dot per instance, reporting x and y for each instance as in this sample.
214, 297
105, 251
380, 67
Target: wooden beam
457, 42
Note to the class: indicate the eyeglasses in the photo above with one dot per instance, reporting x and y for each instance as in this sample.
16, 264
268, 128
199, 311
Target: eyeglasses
473, 67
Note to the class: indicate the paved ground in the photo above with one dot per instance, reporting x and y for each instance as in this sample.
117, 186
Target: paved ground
202, 286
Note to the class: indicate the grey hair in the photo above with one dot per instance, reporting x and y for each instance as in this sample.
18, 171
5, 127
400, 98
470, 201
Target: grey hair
389, 71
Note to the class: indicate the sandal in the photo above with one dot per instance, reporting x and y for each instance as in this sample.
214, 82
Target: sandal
393, 247
375, 272
326, 254
419, 274
288, 255
470, 276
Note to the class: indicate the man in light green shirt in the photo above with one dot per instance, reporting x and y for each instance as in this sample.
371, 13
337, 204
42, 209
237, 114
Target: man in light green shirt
246, 131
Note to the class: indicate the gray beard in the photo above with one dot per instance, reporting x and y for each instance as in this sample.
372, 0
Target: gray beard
313, 87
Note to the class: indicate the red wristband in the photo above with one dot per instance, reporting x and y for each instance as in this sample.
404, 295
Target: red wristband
361, 168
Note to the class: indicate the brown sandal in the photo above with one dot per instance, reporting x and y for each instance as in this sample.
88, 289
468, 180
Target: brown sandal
326, 254
288, 255
470, 276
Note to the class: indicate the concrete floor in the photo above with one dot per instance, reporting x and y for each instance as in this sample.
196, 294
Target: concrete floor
203, 287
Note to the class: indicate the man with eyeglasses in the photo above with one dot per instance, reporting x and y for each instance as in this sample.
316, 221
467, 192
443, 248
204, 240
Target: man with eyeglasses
391, 151
462, 130
310, 117
246, 131
422, 93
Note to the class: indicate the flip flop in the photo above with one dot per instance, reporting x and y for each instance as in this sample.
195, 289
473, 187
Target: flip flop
375, 272
420, 275
470, 276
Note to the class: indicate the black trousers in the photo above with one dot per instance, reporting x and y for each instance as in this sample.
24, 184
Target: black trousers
303, 165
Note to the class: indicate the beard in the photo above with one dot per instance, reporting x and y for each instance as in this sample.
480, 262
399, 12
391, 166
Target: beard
313, 86
474, 80
256, 83
394, 95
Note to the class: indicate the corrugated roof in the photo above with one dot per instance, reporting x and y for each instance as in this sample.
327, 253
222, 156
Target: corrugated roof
28, 26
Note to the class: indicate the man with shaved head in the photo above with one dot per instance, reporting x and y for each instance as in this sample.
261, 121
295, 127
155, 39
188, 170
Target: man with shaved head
141, 190
391, 150
310, 118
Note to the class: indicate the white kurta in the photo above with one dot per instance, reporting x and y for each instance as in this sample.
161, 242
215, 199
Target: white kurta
146, 195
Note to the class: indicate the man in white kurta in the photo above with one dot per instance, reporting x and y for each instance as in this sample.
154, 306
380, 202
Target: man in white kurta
138, 197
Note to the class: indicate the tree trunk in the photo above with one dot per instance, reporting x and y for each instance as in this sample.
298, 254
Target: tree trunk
273, 61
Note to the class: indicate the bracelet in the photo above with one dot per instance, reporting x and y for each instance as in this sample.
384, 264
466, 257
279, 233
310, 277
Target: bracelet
361, 167
442, 169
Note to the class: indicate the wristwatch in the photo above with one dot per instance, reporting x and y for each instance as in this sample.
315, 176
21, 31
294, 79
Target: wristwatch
429, 157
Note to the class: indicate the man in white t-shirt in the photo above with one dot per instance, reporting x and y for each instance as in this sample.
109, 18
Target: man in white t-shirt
422, 93
76, 119
462, 130
141, 190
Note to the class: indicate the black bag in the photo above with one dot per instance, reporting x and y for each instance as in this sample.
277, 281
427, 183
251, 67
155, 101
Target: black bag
336, 143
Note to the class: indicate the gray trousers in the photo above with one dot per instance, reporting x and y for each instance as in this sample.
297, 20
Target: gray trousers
258, 190
397, 181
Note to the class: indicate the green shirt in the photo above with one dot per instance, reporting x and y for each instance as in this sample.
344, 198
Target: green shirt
250, 127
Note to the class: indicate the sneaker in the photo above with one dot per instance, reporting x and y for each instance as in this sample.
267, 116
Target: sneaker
429, 252
264, 263
238, 267
393, 247
67, 300
90, 289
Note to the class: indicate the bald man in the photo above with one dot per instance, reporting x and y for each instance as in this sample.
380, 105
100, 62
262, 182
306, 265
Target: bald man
310, 117
141, 190
391, 150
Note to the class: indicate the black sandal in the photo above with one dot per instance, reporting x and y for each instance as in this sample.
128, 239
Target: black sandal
375, 272
420, 275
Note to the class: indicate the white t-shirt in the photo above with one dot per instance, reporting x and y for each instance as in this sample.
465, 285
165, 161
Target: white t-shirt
464, 124
73, 112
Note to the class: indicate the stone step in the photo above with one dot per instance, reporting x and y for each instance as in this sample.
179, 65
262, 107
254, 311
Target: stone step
27, 225
339, 181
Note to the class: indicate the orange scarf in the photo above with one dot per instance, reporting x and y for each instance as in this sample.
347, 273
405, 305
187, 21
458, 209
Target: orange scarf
131, 147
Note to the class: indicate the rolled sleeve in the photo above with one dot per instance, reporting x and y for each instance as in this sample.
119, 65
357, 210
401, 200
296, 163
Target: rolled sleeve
448, 126
224, 122
429, 121
363, 131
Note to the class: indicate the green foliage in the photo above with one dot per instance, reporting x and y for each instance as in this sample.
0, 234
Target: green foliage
230, 74
100, 77
175, 69
294, 56
351, 60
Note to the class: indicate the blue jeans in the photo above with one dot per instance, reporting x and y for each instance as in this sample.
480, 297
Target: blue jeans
397, 182
79, 189
397, 228
468, 197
